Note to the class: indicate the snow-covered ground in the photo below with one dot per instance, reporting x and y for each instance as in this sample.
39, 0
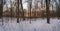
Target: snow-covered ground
37, 24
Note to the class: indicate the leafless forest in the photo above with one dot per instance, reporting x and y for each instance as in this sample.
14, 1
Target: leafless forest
35, 9
29, 15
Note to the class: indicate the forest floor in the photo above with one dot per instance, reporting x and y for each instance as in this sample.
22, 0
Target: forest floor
37, 24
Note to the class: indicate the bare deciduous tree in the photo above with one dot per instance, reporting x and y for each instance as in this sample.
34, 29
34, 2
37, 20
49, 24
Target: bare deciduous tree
22, 9
11, 9
18, 11
1, 8
47, 11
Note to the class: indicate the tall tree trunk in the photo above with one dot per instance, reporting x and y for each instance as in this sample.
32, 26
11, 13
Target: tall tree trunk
11, 9
47, 11
30, 5
57, 7
18, 11
59, 10
22, 9
1, 10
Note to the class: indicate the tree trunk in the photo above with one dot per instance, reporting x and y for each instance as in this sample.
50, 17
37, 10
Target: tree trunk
1, 10
18, 11
30, 4
47, 11
11, 9
22, 9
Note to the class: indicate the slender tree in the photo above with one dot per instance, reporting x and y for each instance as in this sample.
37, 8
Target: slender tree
58, 10
1, 8
36, 7
22, 9
47, 11
30, 5
11, 9
18, 11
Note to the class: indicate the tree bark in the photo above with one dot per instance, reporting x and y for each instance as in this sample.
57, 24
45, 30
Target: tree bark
47, 11
18, 11
22, 9
1, 8
11, 9
30, 4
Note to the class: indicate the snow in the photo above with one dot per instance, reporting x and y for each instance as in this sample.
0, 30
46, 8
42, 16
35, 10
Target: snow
37, 24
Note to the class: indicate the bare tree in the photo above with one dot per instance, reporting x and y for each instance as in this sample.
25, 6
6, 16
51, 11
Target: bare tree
1, 10
18, 11
30, 5
22, 9
47, 11
58, 10
11, 9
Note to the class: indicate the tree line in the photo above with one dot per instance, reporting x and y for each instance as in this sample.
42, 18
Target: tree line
20, 11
